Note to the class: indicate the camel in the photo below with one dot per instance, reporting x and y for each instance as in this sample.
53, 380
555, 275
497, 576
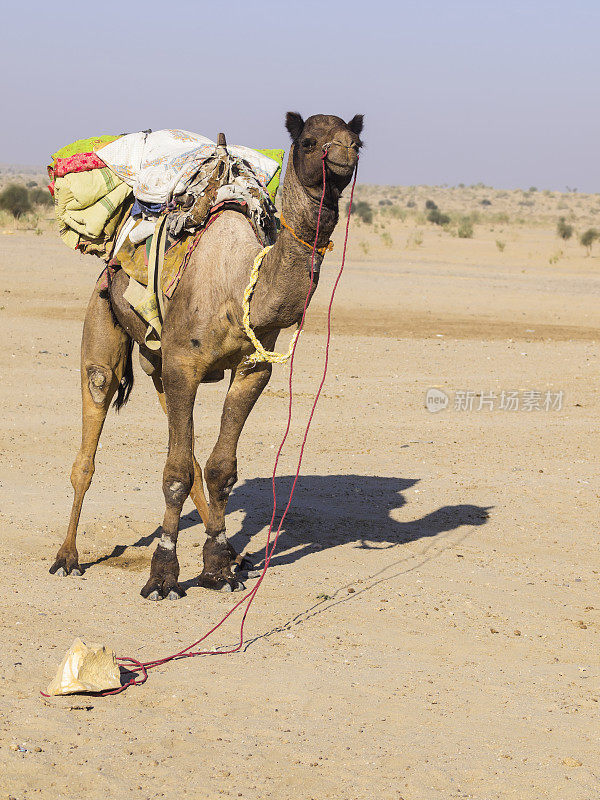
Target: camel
202, 336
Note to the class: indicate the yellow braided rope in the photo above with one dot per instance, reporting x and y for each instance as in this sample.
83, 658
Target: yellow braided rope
261, 354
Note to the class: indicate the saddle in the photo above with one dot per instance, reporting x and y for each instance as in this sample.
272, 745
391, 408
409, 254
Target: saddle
156, 265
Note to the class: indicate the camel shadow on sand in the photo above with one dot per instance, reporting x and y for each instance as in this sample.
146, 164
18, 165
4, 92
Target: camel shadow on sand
331, 510
327, 511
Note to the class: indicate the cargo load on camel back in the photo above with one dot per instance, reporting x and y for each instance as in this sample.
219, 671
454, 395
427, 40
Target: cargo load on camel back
113, 193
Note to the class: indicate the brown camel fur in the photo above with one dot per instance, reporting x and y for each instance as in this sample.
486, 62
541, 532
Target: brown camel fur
202, 336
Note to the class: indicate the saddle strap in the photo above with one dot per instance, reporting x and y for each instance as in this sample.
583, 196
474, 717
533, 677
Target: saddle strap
156, 261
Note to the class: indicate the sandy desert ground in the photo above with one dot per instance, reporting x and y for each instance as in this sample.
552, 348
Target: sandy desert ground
429, 627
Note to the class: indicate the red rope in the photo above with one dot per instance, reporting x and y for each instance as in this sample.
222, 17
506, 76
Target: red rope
132, 664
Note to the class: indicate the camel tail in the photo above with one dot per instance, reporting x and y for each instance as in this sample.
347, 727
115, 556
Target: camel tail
126, 384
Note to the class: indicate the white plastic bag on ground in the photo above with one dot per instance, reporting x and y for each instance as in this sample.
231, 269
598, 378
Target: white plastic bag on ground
86, 668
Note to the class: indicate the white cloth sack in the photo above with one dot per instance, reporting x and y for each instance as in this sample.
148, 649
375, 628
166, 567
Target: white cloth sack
159, 165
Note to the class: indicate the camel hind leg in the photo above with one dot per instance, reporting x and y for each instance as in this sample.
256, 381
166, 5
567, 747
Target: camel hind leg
105, 359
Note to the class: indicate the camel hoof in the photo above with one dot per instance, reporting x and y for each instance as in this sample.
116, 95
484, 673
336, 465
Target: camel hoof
173, 595
226, 588
154, 595
77, 572
254, 573
239, 587
244, 565
61, 572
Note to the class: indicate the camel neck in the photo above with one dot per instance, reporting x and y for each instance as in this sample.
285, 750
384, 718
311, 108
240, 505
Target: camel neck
285, 272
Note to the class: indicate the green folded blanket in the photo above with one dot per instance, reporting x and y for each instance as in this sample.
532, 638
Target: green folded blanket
84, 146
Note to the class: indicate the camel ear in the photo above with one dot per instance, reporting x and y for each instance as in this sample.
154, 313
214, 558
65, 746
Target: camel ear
294, 123
356, 124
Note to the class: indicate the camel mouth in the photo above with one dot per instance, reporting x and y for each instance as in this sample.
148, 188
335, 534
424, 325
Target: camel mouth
338, 167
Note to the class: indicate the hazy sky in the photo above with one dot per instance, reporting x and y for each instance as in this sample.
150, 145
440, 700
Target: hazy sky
502, 92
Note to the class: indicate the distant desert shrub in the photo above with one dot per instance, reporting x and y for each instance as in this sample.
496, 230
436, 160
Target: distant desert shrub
364, 246
532, 189
41, 197
386, 239
465, 228
588, 238
15, 198
430, 205
31, 184
554, 258
396, 212
416, 240
437, 217
363, 211
563, 229
385, 202
411, 204
500, 245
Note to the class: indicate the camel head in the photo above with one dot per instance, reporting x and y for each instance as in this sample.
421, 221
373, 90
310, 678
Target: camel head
320, 133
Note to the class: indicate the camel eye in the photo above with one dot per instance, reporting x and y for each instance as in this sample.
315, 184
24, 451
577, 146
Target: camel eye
309, 143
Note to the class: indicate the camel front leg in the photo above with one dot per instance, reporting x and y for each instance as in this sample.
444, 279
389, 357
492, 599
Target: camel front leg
197, 490
221, 474
180, 386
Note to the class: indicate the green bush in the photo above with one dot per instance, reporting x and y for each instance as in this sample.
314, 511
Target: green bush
588, 238
465, 228
363, 211
563, 229
15, 199
41, 197
436, 216
430, 205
